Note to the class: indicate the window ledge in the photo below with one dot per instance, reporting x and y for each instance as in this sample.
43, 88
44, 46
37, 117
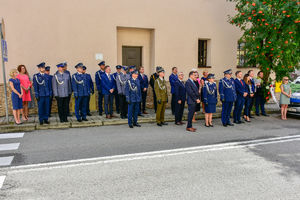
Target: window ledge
245, 67
204, 66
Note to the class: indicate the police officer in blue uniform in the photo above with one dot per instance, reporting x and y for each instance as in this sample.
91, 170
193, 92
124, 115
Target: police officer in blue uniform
43, 92
131, 69
133, 98
98, 75
91, 87
62, 89
116, 93
241, 92
81, 91
210, 98
68, 72
227, 96
121, 84
47, 71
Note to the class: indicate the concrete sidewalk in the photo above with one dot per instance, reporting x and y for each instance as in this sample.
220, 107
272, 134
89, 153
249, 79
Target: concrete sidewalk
96, 120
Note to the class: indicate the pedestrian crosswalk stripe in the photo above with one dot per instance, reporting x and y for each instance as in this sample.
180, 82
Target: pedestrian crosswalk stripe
8, 147
11, 135
2, 178
5, 161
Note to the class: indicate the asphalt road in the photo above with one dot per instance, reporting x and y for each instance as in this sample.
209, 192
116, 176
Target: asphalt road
257, 160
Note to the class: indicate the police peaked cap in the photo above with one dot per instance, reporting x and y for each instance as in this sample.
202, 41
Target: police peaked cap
228, 71
102, 63
41, 65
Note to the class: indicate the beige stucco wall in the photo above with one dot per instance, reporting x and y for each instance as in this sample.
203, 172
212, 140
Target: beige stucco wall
53, 31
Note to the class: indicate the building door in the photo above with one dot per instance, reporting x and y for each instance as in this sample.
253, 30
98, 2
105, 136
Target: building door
132, 56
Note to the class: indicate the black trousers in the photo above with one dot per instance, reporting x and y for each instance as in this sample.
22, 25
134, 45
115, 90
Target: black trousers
173, 103
123, 105
179, 108
69, 99
251, 104
192, 109
63, 108
143, 102
154, 99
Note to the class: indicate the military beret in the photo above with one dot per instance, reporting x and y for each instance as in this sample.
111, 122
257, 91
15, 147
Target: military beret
102, 63
158, 68
47, 68
118, 67
42, 65
228, 71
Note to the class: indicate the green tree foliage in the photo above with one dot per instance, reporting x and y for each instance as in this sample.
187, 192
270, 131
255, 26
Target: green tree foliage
272, 34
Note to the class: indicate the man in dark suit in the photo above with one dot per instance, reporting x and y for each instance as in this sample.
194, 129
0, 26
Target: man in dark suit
108, 87
180, 98
144, 86
173, 78
241, 91
192, 99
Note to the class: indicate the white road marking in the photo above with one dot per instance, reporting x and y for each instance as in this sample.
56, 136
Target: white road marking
11, 135
8, 147
2, 178
5, 161
148, 155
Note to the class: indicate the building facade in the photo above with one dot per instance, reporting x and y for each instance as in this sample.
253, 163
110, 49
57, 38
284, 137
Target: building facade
186, 34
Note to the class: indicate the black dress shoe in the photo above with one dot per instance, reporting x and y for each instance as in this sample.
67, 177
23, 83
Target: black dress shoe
89, 114
46, 122
69, 114
207, 126
41, 123
265, 115
257, 114
251, 116
225, 125
79, 120
130, 126
61, 121
123, 117
230, 124
50, 116
164, 123
211, 125
241, 121
84, 119
66, 120
100, 114
158, 124
137, 125
141, 115
237, 122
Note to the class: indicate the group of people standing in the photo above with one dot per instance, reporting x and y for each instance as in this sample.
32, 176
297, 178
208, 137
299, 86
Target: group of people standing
128, 86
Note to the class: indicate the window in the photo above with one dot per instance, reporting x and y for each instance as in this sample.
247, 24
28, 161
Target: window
241, 52
202, 53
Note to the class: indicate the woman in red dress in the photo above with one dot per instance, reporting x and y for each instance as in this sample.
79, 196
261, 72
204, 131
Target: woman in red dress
25, 85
